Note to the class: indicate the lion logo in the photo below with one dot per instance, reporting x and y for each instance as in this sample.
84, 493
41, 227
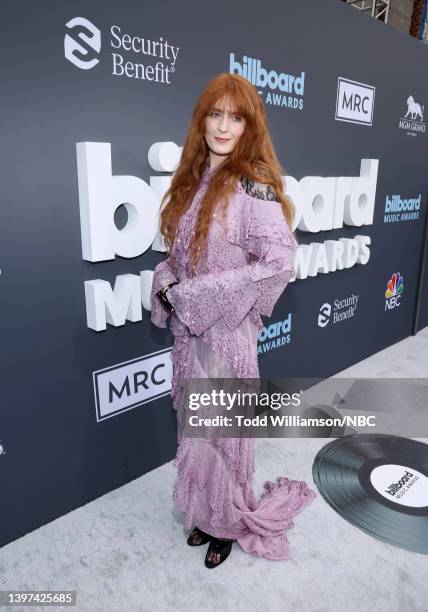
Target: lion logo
414, 109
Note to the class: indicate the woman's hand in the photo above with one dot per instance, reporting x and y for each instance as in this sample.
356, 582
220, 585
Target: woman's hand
162, 293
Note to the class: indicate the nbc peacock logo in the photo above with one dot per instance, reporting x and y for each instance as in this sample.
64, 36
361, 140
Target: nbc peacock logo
394, 291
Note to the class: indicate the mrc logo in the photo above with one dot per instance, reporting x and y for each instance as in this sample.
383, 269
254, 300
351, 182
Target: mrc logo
123, 386
354, 101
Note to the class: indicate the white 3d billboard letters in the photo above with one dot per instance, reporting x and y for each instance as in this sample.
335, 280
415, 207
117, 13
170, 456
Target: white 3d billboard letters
322, 204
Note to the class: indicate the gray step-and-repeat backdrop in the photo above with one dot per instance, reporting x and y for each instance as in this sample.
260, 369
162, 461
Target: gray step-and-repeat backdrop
97, 97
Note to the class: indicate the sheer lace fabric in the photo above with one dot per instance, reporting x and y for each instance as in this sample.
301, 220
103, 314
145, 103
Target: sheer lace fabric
215, 324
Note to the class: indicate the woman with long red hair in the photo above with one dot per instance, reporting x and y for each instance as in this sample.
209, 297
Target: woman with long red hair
227, 227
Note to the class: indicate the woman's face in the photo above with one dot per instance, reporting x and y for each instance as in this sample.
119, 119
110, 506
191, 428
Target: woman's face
222, 122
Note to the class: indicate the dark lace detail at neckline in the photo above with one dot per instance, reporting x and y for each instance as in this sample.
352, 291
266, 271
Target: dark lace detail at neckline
262, 191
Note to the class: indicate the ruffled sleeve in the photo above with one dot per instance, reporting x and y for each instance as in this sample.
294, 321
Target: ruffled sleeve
162, 276
273, 244
259, 227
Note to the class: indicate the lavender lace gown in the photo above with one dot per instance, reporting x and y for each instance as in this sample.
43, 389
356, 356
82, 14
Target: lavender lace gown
215, 324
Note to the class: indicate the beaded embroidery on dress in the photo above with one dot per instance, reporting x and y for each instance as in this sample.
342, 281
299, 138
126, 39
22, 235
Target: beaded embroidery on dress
215, 324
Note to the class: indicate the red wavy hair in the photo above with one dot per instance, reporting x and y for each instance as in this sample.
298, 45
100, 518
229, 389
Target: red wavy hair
253, 156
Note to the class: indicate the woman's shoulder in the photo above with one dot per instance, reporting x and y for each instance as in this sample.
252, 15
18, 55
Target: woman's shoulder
261, 191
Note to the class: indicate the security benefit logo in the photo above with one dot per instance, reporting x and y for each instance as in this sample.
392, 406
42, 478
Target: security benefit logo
354, 102
394, 291
82, 47
413, 121
126, 385
275, 335
338, 311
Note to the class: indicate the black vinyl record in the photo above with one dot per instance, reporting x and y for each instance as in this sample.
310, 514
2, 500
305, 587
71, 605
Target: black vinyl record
378, 483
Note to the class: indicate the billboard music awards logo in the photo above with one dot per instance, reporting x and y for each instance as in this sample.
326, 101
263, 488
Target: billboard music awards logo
395, 489
101, 192
394, 291
401, 209
338, 312
413, 120
354, 101
274, 336
286, 89
82, 47
400, 484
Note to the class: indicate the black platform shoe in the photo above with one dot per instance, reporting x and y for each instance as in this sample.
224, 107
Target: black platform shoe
204, 537
221, 547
